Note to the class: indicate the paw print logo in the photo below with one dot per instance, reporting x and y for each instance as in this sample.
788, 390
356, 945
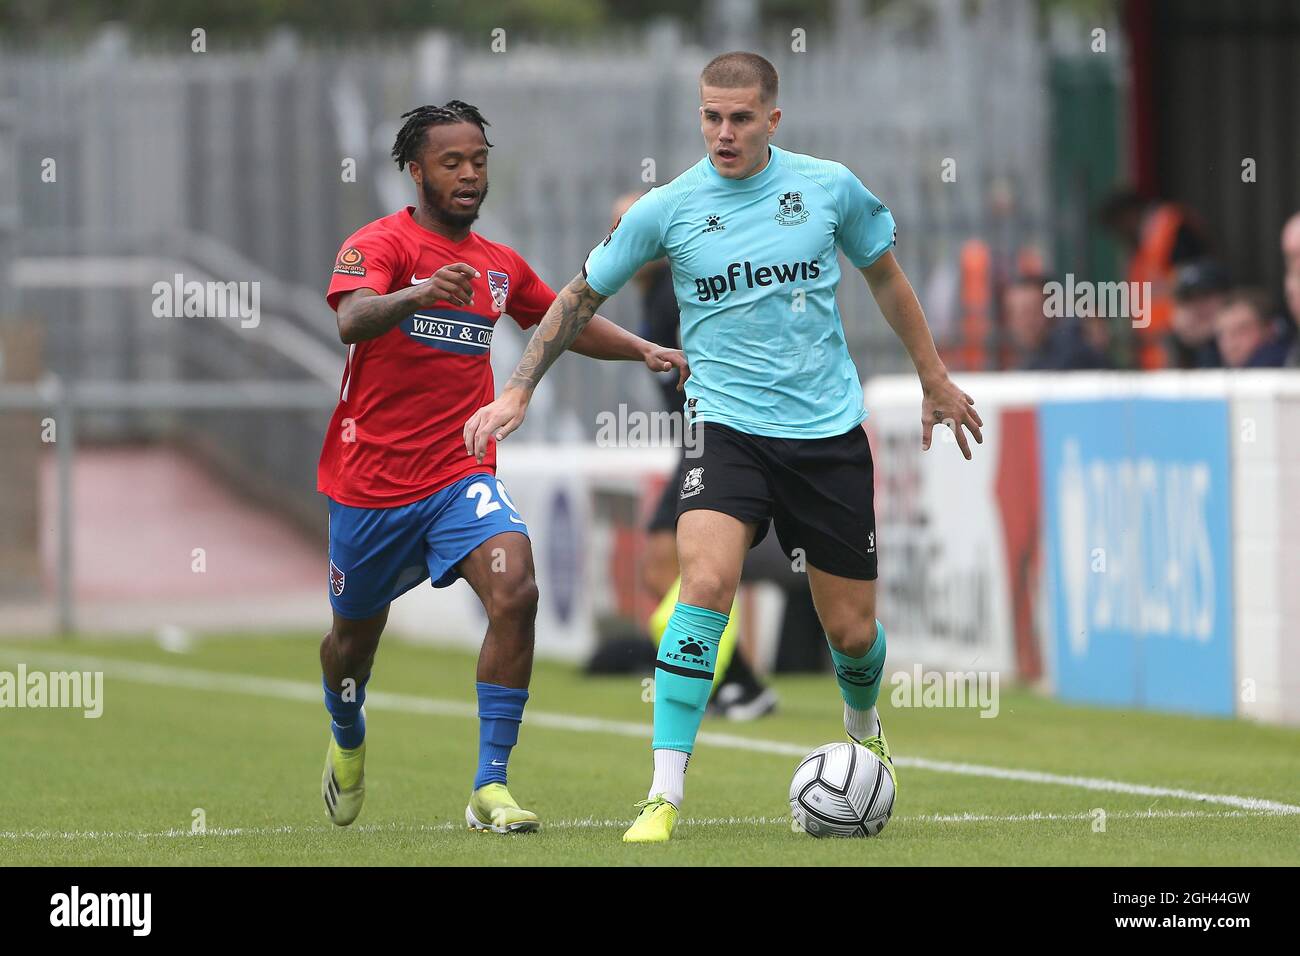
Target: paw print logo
858, 676
691, 646
711, 220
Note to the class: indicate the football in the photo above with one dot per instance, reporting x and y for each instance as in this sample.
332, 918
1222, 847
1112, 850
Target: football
841, 790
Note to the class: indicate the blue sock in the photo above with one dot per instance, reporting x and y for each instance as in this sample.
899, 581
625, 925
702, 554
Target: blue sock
348, 723
859, 677
500, 711
684, 675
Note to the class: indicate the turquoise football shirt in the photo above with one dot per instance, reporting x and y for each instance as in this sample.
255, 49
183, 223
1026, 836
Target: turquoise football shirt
755, 271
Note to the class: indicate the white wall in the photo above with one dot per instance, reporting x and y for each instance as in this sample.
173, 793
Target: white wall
938, 515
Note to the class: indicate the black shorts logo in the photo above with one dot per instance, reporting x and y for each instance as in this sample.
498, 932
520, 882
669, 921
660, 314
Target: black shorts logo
693, 483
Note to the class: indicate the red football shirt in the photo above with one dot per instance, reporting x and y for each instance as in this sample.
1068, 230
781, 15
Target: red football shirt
396, 435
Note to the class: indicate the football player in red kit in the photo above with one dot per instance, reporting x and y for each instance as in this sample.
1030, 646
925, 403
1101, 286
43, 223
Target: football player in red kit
417, 296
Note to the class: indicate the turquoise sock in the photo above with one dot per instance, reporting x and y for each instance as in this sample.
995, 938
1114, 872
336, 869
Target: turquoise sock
859, 677
684, 675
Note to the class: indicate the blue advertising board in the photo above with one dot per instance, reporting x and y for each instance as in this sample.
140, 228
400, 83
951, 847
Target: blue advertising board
1138, 549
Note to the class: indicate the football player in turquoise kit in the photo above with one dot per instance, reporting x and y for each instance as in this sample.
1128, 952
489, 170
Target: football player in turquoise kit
418, 296
751, 232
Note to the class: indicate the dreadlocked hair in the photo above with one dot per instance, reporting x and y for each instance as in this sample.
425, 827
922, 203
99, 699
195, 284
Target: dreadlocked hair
411, 136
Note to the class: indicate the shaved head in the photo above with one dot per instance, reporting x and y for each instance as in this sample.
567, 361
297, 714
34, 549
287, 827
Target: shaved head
740, 70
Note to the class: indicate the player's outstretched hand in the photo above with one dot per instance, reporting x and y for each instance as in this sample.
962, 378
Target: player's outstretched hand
450, 284
495, 421
946, 404
660, 359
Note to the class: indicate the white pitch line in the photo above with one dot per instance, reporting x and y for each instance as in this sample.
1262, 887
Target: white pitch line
168, 676
593, 823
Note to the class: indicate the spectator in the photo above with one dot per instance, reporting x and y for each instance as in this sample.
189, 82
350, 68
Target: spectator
1291, 285
659, 324
1036, 344
1292, 290
1094, 331
1160, 237
1200, 289
1291, 247
1247, 337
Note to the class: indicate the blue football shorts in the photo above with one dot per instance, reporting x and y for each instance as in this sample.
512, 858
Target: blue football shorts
378, 554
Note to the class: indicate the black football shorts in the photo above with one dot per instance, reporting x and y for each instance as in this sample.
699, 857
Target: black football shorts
664, 516
819, 492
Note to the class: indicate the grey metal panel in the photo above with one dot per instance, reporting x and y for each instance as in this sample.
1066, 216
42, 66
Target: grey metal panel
245, 148
1228, 88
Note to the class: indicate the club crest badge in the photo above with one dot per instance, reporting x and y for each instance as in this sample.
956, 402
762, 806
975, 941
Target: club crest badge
693, 483
793, 211
499, 286
336, 579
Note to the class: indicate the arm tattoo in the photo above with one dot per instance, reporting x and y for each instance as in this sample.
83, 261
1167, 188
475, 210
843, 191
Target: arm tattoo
372, 319
370, 315
564, 320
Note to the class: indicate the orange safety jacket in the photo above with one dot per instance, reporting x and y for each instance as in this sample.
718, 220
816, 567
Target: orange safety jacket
1153, 262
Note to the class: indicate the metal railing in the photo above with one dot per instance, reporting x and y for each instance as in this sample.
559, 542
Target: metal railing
67, 402
233, 166
247, 150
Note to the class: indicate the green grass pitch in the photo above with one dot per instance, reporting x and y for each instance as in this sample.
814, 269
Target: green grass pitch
236, 729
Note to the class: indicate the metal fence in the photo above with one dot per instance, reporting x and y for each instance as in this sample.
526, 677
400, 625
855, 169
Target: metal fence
66, 404
229, 165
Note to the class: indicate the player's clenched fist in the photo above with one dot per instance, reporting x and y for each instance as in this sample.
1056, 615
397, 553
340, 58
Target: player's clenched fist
495, 421
450, 283
660, 359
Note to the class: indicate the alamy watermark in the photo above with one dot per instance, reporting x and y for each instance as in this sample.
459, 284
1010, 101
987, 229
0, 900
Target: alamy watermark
632, 428
133, 911
1102, 300
208, 300
917, 688
76, 690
